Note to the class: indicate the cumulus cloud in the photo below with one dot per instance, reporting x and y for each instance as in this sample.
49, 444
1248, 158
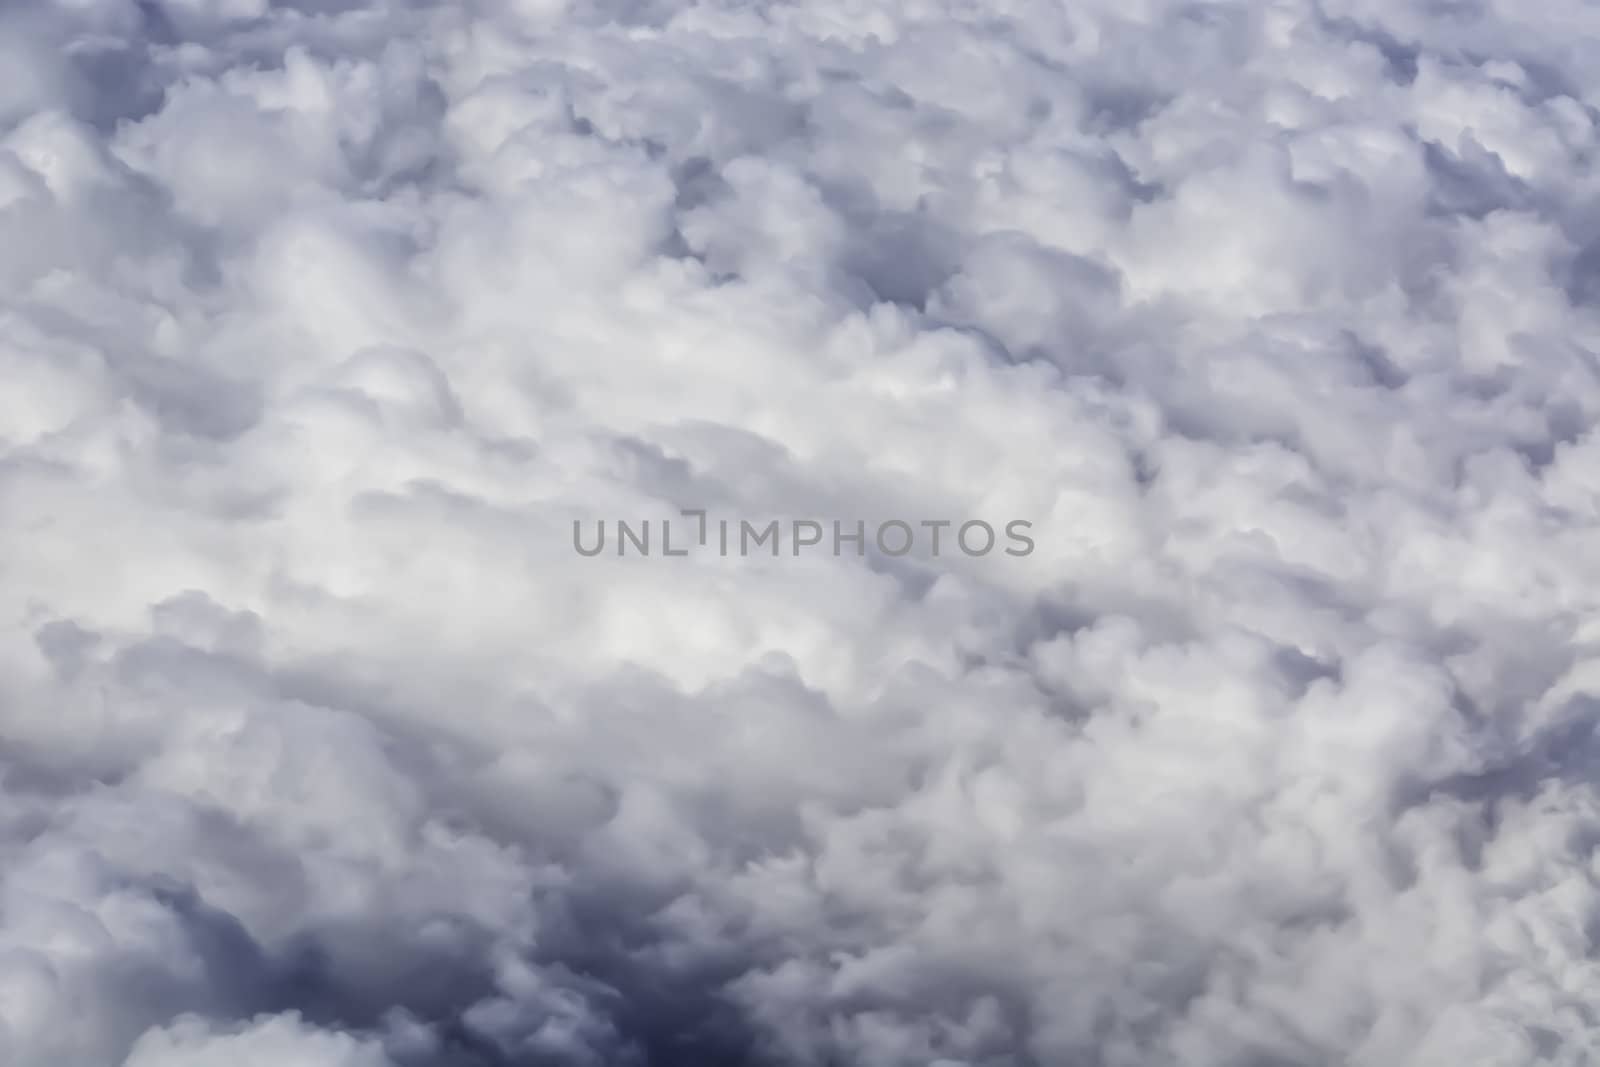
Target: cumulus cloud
322, 322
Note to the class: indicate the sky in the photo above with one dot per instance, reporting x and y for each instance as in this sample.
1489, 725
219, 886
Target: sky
323, 323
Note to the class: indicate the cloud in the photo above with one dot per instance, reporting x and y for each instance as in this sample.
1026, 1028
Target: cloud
322, 322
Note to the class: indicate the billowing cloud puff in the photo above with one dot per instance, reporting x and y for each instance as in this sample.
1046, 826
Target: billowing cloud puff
325, 323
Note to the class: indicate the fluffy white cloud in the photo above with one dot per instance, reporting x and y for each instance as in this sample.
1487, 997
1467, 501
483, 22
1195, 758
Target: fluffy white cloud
267, 1044
322, 321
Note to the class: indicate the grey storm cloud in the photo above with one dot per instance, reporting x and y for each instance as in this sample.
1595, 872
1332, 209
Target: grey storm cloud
322, 321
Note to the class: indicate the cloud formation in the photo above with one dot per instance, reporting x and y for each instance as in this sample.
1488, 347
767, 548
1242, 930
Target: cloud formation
321, 321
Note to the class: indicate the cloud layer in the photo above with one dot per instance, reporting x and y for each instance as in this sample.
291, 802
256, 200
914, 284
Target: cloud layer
321, 321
